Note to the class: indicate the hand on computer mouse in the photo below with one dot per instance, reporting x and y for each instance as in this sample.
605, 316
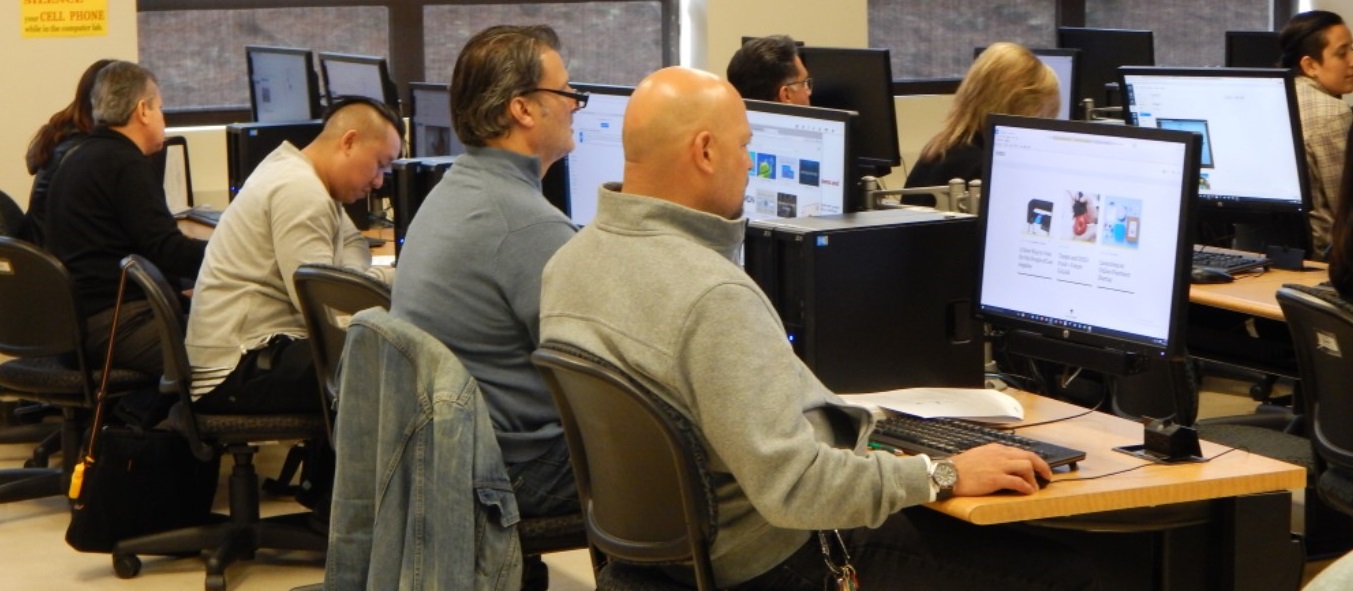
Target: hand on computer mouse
993, 467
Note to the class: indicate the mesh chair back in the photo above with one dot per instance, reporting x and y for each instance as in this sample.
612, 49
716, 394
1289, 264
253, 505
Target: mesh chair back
329, 296
649, 498
1322, 331
40, 314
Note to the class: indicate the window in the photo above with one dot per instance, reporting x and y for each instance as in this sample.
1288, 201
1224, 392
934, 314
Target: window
936, 39
1187, 32
603, 42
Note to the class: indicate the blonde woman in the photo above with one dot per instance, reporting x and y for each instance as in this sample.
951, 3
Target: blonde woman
1005, 79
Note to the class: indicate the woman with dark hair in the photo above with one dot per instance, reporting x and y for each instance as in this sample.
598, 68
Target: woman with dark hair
62, 132
1318, 48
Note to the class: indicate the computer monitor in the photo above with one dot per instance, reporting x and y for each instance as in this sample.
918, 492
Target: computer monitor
171, 164
430, 131
1252, 157
597, 155
801, 161
360, 75
1102, 52
283, 85
1252, 49
859, 80
1086, 242
1066, 64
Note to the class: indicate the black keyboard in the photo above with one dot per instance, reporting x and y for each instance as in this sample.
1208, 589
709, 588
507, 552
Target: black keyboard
940, 438
1228, 261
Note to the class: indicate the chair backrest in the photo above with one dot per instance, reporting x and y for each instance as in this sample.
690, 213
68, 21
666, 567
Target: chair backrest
11, 217
40, 314
1321, 323
666, 515
171, 323
329, 296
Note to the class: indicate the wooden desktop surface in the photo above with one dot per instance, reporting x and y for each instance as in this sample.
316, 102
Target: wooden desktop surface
1236, 473
1256, 293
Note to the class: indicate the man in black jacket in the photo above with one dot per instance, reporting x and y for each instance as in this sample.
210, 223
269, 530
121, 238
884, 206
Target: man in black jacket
105, 203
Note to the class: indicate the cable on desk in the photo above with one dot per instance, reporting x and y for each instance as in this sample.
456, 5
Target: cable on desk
1102, 398
1138, 467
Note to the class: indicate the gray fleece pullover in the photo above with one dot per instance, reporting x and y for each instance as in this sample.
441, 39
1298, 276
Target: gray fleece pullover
653, 288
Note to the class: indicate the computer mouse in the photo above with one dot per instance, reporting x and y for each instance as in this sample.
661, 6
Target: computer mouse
1042, 482
1206, 275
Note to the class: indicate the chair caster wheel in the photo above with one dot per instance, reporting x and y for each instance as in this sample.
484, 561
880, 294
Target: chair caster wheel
215, 583
126, 566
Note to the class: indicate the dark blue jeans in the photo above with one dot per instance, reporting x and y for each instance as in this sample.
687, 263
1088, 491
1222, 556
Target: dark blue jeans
918, 548
545, 485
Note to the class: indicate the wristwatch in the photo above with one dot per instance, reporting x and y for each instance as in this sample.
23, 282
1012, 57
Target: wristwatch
945, 475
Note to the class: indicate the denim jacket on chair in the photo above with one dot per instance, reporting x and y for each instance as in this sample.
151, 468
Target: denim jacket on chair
422, 500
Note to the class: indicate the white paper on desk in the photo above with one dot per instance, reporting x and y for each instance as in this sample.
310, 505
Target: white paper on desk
976, 404
382, 260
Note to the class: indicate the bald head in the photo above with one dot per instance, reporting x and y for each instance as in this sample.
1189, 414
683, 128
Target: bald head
685, 138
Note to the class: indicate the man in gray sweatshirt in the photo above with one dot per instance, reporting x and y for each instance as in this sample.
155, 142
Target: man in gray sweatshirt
652, 286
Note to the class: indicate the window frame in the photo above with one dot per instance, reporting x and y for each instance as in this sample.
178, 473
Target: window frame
405, 53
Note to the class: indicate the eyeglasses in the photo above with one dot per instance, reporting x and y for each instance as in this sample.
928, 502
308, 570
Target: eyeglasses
806, 82
579, 97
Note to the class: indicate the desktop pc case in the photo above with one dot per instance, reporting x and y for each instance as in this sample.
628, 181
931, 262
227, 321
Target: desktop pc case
411, 179
875, 300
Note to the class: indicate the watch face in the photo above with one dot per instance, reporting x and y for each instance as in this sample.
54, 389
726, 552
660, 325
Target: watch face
945, 474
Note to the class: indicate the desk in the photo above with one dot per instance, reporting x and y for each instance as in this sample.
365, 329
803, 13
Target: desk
1255, 293
1240, 536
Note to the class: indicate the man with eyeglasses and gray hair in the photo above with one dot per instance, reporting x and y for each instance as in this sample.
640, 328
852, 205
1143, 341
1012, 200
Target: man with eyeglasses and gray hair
769, 69
471, 263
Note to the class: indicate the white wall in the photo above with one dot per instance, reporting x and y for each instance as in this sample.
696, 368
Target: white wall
40, 77
717, 26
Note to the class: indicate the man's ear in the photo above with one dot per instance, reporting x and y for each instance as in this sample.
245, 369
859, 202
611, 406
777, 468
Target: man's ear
522, 111
347, 140
783, 94
702, 149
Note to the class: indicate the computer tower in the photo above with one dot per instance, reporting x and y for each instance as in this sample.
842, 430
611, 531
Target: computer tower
875, 300
411, 181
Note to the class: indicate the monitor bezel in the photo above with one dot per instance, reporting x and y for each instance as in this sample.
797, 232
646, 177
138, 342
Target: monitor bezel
1176, 338
311, 77
886, 120
1249, 207
850, 198
388, 87
413, 111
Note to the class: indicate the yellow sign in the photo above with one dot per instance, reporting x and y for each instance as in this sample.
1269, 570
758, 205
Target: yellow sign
64, 18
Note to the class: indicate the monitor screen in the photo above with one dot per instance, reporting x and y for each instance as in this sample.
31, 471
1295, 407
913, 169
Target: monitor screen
430, 128
1251, 155
1252, 49
597, 155
282, 84
357, 75
1065, 63
800, 161
1102, 51
1085, 231
859, 80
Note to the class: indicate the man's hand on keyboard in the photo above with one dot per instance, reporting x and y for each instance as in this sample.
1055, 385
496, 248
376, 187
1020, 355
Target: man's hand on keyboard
992, 467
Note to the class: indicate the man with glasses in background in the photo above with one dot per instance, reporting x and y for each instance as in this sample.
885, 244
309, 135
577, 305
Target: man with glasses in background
769, 69
471, 263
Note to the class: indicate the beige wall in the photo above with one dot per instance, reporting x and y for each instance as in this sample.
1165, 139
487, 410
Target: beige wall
40, 77
718, 25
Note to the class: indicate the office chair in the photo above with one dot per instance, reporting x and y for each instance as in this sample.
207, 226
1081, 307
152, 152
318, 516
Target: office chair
11, 217
243, 533
666, 517
42, 328
1322, 325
